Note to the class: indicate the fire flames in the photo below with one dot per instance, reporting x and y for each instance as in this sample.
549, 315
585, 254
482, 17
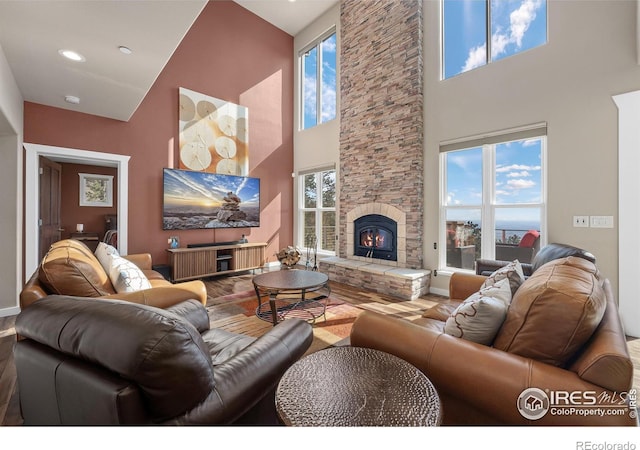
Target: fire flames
368, 238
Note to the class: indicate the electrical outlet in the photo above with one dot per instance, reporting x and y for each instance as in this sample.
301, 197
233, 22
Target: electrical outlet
581, 221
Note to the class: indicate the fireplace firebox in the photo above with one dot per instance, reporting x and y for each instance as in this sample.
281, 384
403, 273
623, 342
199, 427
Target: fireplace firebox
375, 237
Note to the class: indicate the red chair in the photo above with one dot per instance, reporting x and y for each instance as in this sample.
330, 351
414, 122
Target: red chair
523, 252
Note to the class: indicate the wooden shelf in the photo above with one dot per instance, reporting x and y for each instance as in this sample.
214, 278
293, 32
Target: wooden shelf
192, 263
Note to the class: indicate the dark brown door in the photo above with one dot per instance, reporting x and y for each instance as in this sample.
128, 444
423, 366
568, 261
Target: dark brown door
50, 228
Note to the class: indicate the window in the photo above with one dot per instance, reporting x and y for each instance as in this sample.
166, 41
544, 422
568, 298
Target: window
318, 81
493, 198
318, 210
477, 32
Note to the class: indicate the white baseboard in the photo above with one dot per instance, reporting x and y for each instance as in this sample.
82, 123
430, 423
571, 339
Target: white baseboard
436, 291
13, 311
270, 264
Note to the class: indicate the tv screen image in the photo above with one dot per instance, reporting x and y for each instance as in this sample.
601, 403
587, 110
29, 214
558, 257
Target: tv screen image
198, 200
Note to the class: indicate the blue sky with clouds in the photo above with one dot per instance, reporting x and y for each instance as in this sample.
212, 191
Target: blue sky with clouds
516, 25
518, 178
328, 83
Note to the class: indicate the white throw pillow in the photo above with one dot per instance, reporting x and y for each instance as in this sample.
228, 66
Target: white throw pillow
480, 316
103, 254
126, 276
512, 271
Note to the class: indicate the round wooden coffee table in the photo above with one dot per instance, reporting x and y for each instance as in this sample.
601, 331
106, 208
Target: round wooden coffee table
291, 292
355, 386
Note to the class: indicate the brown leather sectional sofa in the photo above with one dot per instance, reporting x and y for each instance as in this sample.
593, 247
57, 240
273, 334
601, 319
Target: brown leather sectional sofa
71, 268
540, 345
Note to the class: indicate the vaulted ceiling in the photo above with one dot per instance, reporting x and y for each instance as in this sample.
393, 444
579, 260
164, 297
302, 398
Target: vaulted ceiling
110, 83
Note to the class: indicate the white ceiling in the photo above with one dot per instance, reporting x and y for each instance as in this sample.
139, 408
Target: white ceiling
290, 16
110, 83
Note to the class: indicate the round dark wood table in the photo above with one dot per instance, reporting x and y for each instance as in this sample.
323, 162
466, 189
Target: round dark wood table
289, 293
355, 386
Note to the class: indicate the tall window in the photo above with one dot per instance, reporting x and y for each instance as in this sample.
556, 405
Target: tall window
318, 210
318, 81
493, 198
477, 32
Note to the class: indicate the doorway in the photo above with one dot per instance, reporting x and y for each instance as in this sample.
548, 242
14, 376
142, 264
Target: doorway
50, 192
32, 184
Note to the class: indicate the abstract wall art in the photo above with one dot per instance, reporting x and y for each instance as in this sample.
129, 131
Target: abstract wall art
214, 134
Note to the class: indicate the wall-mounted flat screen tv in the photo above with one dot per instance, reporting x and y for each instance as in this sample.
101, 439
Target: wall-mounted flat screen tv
198, 200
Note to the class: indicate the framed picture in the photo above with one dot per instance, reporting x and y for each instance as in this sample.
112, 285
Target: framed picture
96, 190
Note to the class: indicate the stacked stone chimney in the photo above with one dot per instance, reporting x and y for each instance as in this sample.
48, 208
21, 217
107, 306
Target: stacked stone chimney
381, 116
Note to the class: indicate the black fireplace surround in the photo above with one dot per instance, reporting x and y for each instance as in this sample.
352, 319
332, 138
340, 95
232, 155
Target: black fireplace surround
375, 236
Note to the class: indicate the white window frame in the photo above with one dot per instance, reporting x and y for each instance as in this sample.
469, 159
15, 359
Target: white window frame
319, 209
488, 39
489, 206
317, 44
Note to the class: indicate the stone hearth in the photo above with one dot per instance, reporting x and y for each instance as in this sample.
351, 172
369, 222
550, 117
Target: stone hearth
407, 284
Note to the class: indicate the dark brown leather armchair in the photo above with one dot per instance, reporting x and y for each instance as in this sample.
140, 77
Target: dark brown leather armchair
83, 361
547, 253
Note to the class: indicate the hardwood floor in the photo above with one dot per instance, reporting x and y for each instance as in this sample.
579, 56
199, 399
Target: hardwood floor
9, 393
9, 400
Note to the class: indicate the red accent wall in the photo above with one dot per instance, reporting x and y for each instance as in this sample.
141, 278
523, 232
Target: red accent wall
231, 54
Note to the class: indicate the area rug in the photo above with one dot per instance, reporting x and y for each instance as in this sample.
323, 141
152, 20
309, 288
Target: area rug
236, 312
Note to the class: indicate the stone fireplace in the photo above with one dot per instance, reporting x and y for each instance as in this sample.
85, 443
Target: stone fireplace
389, 220
377, 269
381, 145
381, 121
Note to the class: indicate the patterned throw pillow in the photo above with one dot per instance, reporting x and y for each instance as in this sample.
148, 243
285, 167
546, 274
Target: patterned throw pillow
512, 271
103, 254
126, 276
480, 316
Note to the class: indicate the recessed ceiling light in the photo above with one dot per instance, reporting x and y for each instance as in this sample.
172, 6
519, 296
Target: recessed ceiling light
72, 99
125, 50
73, 56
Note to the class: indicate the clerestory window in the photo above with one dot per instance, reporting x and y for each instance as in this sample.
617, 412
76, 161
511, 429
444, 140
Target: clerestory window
318, 81
477, 32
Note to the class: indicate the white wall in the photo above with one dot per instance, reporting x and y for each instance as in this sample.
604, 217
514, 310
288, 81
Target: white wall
569, 83
11, 125
629, 215
319, 146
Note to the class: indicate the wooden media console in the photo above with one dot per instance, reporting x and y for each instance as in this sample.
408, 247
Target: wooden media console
198, 262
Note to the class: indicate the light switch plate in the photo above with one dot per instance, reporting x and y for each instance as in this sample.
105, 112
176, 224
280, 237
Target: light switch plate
601, 222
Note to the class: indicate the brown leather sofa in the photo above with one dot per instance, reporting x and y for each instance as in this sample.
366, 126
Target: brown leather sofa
71, 268
85, 361
480, 384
